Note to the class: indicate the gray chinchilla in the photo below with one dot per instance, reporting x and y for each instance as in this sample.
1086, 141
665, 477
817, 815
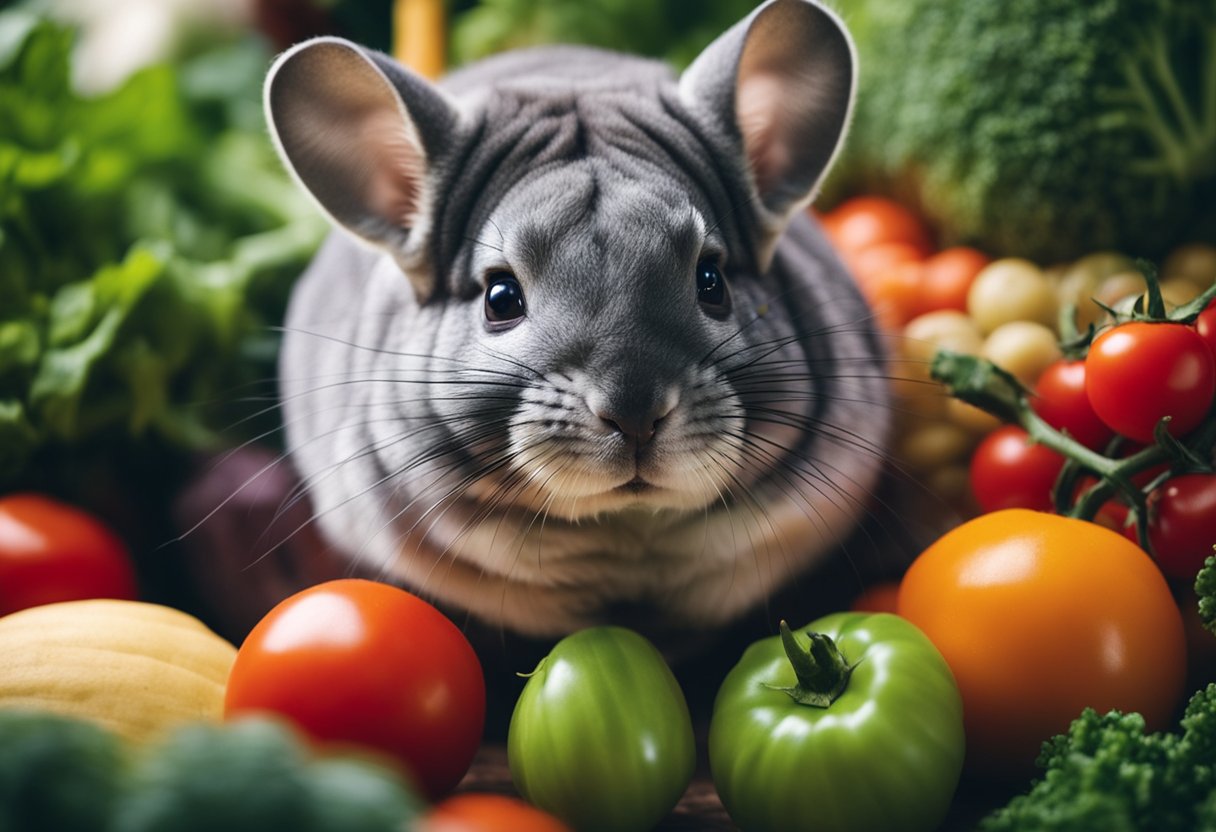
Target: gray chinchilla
575, 342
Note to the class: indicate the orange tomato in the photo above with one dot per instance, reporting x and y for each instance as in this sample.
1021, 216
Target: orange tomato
1039, 617
895, 295
881, 597
870, 264
489, 813
948, 276
864, 221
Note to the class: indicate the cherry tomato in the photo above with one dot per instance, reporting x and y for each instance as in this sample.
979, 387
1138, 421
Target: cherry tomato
1200, 641
1010, 471
1061, 401
948, 276
1205, 325
1137, 372
1039, 617
1182, 523
869, 264
51, 551
363, 663
895, 294
488, 813
864, 221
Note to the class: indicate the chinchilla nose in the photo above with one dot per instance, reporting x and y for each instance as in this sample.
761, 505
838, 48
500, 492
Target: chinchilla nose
636, 417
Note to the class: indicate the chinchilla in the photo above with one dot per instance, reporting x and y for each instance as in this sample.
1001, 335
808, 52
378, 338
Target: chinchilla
575, 342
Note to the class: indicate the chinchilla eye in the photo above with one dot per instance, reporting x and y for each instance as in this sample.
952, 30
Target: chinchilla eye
711, 285
504, 298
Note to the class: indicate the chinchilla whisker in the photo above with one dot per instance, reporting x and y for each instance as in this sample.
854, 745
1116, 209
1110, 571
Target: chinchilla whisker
772, 300
309, 484
305, 485
511, 361
785, 340
517, 480
812, 476
755, 511
837, 435
324, 336
484, 244
449, 497
504, 458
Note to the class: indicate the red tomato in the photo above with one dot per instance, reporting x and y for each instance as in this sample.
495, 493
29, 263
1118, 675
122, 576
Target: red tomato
1061, 401
50, 552
1200, 641
877, 598
1182, 524
1040, 616
1205, 325
364, 663
864, 221
1136, 373
1010, 471
948, 277
489, 813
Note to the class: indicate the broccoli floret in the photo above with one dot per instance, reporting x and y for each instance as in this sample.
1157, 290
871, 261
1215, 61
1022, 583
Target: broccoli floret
1205, 588
1107, 775
56, 772
1041, 128
255, 775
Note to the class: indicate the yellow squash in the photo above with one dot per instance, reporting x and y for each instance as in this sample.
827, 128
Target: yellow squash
138, 669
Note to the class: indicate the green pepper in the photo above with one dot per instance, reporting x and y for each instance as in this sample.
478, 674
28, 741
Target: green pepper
855, 723
601, 736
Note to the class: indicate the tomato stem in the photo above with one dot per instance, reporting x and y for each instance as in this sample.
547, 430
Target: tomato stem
820, 667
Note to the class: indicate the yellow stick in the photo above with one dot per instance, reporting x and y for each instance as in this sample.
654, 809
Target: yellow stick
419, 36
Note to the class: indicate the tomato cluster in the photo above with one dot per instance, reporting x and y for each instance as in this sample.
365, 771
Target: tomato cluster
1138, 377
890, 251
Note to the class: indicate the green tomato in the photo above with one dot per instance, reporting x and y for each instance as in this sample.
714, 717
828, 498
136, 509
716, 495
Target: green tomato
861, 729
601, 735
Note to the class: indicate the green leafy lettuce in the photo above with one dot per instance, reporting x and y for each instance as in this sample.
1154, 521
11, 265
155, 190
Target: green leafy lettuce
148, 238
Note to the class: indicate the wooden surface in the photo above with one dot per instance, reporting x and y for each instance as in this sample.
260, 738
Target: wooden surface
700, 808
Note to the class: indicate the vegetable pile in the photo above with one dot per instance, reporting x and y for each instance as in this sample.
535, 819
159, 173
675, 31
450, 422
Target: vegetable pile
147, 239
1031, 321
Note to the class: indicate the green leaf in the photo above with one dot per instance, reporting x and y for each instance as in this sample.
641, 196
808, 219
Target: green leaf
17, 439
20, 345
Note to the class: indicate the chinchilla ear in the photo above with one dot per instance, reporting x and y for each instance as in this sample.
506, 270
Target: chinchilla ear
784, 77
362, 134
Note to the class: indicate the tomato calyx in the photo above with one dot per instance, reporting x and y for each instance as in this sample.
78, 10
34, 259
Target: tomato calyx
821, 669
1148, 308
